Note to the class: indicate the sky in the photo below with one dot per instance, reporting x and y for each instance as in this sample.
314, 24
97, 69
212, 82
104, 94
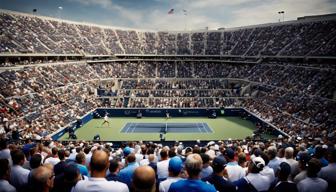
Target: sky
153, 14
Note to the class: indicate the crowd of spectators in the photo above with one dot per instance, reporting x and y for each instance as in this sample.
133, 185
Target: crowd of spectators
33, 34
282, 164
293, 97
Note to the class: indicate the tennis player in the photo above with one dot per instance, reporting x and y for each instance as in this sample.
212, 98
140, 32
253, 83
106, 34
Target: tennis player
106, 120
167, 115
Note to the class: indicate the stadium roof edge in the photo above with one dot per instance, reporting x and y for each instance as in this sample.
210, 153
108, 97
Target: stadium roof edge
304, 19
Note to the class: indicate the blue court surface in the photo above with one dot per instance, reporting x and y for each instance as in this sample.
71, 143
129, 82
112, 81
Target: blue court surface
166, 127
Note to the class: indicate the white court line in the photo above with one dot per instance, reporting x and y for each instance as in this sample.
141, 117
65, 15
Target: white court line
210, 129
206, 130
132, 128
128, 126
199, 128
203, 128
135, 124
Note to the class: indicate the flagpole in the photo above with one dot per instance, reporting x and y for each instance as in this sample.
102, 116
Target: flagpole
185, 22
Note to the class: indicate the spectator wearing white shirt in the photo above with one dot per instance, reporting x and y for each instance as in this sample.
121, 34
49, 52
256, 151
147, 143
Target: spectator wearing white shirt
162, 165
267, 171
234, 171
19, 175
289, 155
54, 158
174, 168
88, 154
254, 178
74, 153
98, 165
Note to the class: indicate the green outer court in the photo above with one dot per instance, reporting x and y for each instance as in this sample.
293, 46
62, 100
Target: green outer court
222, 127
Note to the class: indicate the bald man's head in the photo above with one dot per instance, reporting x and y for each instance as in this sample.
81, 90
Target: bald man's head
144, 179
41, 178
99, 161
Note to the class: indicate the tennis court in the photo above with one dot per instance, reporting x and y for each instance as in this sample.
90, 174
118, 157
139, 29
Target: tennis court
179, 128
166, 128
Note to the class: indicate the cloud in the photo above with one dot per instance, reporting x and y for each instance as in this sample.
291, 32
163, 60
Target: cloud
266, 13
132, 16
207, 13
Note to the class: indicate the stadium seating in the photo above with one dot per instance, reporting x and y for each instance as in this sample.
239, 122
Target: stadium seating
31, 34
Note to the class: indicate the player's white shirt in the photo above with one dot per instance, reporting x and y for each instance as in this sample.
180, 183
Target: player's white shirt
106, 118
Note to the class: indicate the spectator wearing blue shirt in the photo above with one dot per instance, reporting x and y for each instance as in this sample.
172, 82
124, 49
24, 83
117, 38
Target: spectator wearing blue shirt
80, 160
125, 175
274, 161
114, 170
217, 177
193, 166
207, 169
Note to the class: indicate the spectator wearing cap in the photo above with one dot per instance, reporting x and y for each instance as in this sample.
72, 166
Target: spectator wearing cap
162, 165
274, 161
4, 176
125, 175
328, 173
19, 175
193, 166
144, 179
234, 171
98, 165
303, 159
254, 180
174, 168
211, 152
114, 170
283, 183
312, 183
42, 179
217, 177
64, 181
206, 169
